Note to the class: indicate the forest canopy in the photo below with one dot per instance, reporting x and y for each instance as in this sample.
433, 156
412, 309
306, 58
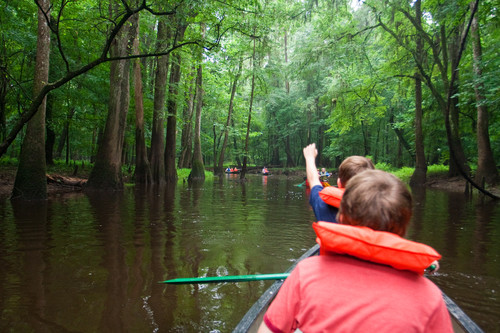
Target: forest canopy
161, 85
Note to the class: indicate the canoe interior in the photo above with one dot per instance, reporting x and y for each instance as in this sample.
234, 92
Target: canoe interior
253, 318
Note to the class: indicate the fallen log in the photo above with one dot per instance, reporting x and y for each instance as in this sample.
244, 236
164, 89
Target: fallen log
66, 181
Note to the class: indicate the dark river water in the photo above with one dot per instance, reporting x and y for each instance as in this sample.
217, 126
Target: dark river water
91, 263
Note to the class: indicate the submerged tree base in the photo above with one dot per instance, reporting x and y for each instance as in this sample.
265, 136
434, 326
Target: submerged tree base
197, 172
105, 178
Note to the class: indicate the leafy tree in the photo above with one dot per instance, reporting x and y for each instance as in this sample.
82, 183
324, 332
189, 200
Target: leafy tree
31, 180
486, 167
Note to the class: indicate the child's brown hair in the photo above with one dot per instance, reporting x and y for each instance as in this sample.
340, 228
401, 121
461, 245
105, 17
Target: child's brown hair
378, 200
353, 165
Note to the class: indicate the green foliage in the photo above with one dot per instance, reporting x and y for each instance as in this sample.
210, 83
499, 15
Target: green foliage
385, 167
437, 169
404, 173
8, 161
346, 84
74, 168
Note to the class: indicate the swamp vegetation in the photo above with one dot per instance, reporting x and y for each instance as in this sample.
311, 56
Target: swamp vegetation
152, 86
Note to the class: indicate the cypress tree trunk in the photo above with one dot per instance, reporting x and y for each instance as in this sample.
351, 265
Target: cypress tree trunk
173, 91
31, 182
186, 156
198, 168
106, 174
157, 145
142, 169
247, 138
486, 166
420, 174
454, 115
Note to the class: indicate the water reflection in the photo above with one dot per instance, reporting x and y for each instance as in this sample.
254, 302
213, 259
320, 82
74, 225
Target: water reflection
464, 231
110, 224
91, 263
32, 231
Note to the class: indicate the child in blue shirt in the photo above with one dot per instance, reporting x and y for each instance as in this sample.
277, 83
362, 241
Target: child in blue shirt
350, 167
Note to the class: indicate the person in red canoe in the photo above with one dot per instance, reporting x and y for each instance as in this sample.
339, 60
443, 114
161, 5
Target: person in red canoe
349, 167
367, 278
264, 170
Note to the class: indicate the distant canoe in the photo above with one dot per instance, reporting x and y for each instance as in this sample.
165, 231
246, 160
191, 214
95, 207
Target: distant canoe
233, 172
253, 318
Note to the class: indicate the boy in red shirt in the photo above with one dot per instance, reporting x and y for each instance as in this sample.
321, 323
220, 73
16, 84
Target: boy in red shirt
344, 293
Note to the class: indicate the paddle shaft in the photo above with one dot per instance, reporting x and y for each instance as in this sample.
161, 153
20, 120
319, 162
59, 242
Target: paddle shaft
237, 278
229, 278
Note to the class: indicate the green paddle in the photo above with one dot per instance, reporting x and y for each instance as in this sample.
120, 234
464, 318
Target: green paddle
228, 278
240, 278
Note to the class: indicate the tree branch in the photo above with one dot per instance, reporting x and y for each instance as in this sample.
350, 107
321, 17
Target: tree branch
449, 101
428, 39
425, 76
37, 101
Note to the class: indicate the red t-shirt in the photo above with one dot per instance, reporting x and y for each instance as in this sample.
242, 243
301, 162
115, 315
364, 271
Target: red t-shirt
338, 293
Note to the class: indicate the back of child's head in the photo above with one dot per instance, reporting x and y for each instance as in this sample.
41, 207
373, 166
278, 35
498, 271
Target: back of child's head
353, 165
378, 200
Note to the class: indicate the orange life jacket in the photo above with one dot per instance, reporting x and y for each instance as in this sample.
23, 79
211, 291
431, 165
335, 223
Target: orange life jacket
376, 246
332, 195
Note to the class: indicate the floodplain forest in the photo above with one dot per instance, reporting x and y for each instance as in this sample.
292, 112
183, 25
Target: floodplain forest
153, 86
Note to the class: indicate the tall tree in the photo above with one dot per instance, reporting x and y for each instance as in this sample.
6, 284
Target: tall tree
31, 182
157, 136
234, 85
446, 61
172, 104
107, 173
247, 137
198, 169
142, 169
419, 175
460, 160
186, 155
486, 167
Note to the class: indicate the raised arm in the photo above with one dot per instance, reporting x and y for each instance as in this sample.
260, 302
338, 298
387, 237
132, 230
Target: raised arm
310, 153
